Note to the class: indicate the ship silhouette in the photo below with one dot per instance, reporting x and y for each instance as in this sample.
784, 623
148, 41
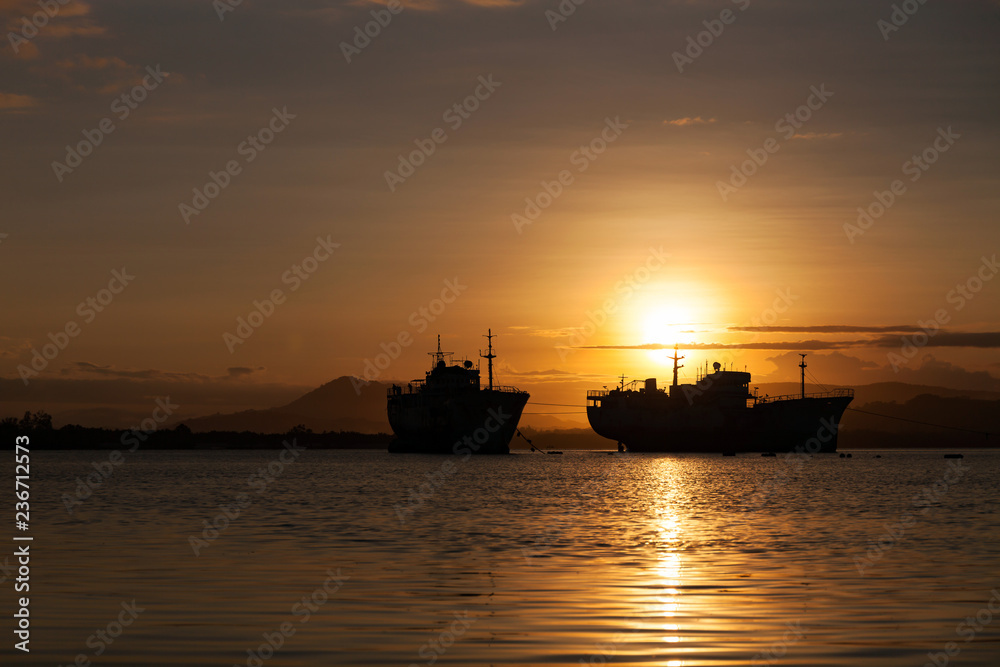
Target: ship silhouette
717, 413
449, 412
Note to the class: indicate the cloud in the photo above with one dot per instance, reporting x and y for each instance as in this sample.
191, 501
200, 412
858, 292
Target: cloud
830, 328
242, 371
818, 135
87, 368
841, 369
201, 397
495, 3
55, 37
85, 62
98, 74
550, 371
547, 375
681, 122
438, 5
70, 18
776, 345
16, 103
946, 374
554, 333
830, 369
14, 348
987, 339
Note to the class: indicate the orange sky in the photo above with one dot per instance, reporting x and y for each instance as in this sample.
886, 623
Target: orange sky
594, 111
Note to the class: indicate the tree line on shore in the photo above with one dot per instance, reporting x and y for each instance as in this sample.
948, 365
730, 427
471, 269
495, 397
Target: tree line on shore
42, 435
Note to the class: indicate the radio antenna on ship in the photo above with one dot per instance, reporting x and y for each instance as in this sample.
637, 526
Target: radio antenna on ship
489, 356
676, 359
439, 355
803, 367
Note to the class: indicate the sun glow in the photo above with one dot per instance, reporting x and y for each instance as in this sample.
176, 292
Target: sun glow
670, 324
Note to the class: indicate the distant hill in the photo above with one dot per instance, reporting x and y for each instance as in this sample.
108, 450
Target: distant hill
961, 422
334, 406
878, 392
102, 417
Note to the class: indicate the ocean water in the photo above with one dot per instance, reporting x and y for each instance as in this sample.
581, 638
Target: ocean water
365, 558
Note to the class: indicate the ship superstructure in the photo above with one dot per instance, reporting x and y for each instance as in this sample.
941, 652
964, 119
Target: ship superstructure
449, 412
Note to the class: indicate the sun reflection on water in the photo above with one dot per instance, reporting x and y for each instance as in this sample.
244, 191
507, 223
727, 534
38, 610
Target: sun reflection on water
669, 537
669, 571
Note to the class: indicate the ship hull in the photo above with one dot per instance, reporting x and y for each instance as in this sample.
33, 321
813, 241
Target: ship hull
804, 424
479, 422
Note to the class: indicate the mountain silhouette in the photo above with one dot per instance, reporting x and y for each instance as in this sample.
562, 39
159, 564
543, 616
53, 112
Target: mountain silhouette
334, 406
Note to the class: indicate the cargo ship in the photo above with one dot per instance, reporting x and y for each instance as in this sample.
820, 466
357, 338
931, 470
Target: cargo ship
449, 412
717, 413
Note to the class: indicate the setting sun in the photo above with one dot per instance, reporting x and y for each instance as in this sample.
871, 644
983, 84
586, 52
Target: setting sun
669, 320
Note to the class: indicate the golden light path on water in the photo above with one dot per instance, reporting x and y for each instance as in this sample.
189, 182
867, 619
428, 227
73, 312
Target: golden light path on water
669, 567
585, 558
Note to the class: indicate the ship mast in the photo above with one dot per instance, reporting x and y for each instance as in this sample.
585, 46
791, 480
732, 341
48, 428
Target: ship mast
489, 356
439, 355
676, 359
803, 367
